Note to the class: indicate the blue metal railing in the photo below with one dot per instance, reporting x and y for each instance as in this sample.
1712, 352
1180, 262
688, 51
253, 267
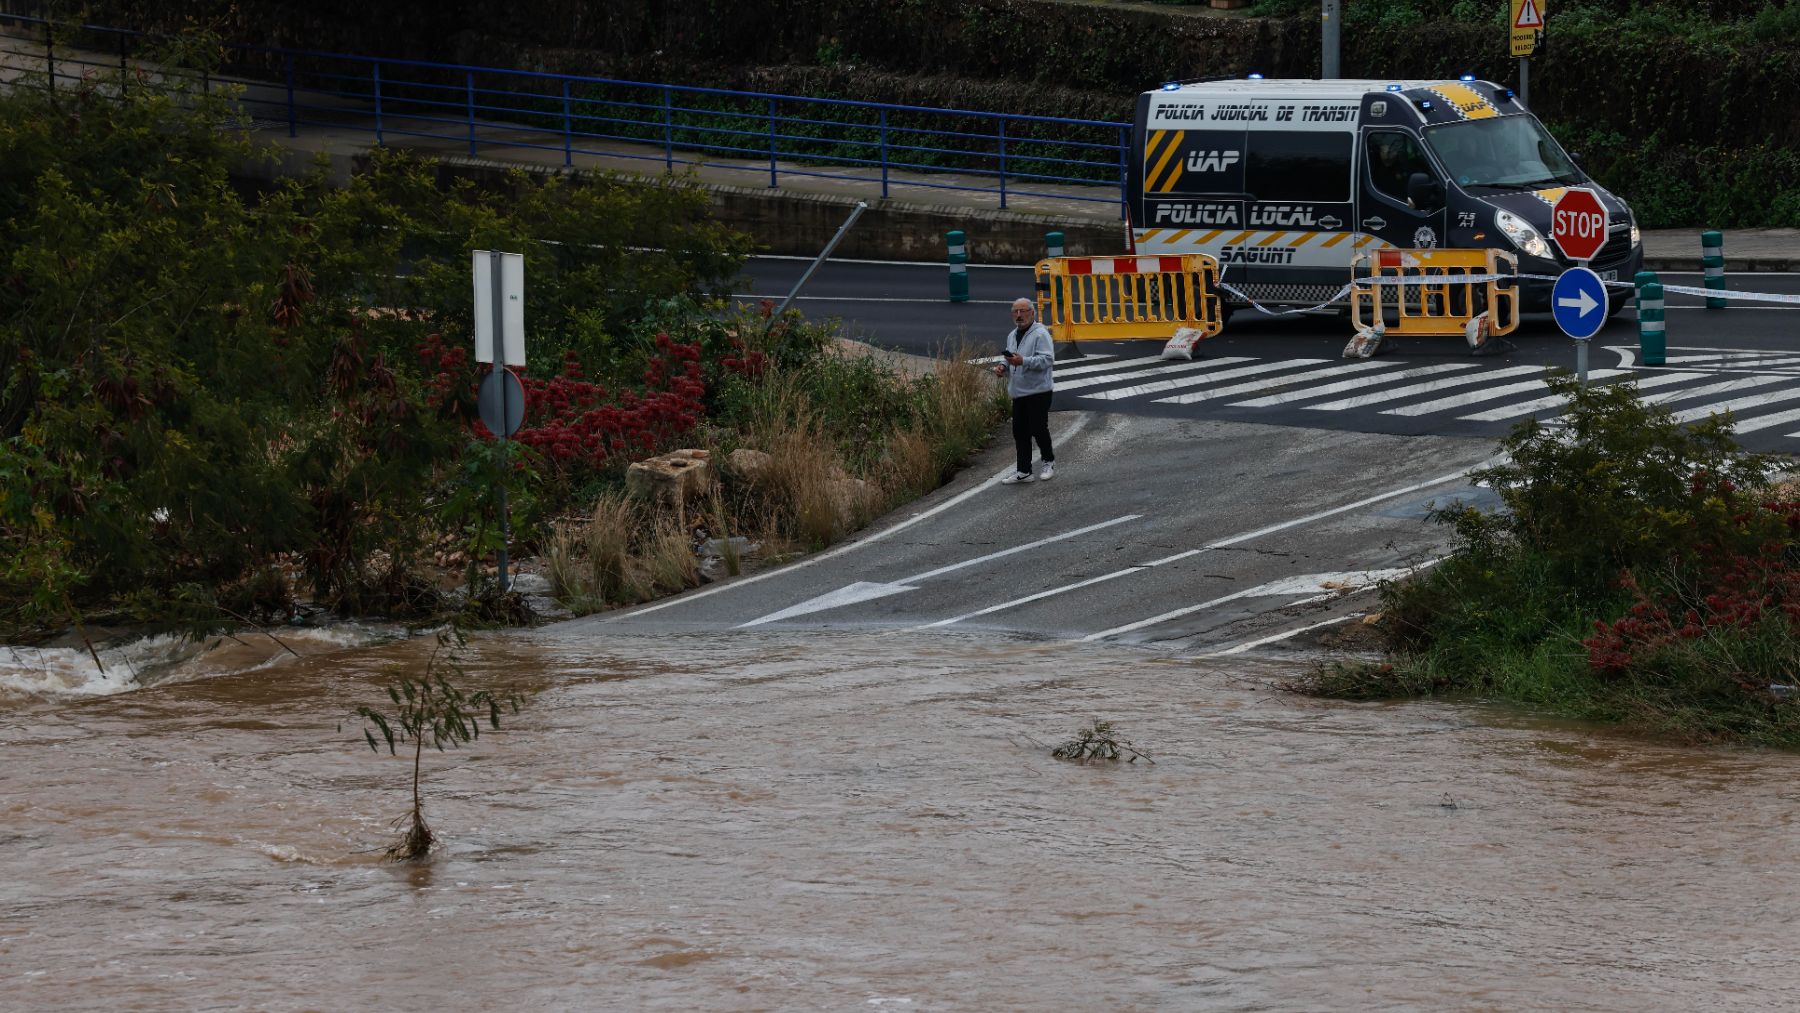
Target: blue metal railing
467, 108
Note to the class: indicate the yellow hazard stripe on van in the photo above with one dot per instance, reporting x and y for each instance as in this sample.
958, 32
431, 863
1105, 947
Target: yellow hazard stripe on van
1468, 102
1169, 142
1193, 240
1550, 196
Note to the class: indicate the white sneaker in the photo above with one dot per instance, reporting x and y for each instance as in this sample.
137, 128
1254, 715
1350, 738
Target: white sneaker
1017, 478
1047, 472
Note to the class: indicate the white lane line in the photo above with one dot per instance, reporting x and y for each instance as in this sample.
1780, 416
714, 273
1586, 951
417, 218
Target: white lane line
1710, 389
1344, 385
1490, 394
1283, 635
1100, 366
1747, 401
953, 567
1168, 369
1080, 423
1558, 401
1277, 381
1457, 476
1190, 381
862, 591
1415, 389
1738, 359
1769, 421
1003, 606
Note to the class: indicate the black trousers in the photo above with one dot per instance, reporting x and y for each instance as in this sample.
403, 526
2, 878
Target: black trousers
1031, 420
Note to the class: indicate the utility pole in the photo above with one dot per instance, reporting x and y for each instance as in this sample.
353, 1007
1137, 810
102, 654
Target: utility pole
1330, 13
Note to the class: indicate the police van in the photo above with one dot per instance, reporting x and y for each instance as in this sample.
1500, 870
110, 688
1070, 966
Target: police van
1285, 180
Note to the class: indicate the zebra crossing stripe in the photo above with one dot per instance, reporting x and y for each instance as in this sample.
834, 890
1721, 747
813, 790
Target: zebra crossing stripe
1279, 381
1190, 381
1710, 389
1140, 374
1747, 401
1102, 366
1558, 401
1352, 384
1491, 394
1415, 389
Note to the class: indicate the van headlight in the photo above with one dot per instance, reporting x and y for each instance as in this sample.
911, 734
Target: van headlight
1636, 236
1522, 234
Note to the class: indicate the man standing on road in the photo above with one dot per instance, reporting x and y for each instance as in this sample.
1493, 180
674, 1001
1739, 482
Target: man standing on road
1028, 363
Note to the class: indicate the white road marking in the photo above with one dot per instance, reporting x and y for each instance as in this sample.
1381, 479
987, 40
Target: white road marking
1096, 367
1333, 388
1557, 400
850, 594
1188, 381
1003, 606
1768, 421
1283, 635
1724, 387
1415, 389
1080, 423
1279, 381
1491, 394
1167, 369
1747, 401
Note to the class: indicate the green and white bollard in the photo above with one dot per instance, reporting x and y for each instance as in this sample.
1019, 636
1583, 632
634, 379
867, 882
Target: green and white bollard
1053, 244
959, 266
1712, 257
1652, 341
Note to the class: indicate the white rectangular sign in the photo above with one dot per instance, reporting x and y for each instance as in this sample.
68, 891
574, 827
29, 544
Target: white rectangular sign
512, 307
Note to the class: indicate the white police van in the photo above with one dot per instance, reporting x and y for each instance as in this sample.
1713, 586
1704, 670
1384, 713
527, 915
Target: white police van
1285, 180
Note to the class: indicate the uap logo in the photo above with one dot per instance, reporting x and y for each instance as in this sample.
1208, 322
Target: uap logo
1211, 161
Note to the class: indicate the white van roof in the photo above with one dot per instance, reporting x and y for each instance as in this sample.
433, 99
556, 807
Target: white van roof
1299, 88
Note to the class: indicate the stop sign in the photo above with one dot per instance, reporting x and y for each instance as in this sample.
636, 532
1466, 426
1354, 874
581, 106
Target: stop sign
1578, 224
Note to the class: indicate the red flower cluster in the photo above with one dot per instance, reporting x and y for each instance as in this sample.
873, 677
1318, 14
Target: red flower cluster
577, 423
1736, 591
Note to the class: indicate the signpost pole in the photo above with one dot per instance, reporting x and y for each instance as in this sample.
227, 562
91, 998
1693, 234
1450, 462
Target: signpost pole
1525, 81
498, 303
1330, 13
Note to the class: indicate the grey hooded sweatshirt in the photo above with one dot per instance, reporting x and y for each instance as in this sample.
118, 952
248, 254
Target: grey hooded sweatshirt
1039, 353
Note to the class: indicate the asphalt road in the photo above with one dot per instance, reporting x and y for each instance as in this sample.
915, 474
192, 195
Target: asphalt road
1289, 370
1195, 536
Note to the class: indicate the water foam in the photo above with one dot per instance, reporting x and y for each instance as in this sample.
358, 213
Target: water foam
146, 661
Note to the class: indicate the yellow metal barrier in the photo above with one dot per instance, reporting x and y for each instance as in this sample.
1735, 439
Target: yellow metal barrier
1114, 298
1445, 302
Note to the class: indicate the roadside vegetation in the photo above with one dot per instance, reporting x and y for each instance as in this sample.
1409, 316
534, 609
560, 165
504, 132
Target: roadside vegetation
1640, 572
216, 405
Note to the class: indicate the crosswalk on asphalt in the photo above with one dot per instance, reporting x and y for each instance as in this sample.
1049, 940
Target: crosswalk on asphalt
1760, 389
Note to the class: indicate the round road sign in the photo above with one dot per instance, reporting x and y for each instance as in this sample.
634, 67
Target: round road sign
501, 401
1578, 301
1578, 224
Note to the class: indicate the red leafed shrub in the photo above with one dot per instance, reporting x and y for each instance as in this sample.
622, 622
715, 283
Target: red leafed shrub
1733, 595
579, 424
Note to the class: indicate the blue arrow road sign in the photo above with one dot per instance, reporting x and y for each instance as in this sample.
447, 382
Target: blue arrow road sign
1579, 303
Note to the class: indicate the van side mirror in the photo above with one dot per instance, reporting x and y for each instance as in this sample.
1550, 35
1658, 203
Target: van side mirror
1575, 157
1426, 194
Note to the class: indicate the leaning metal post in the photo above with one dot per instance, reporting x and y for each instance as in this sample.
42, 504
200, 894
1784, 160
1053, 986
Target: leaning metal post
855, 213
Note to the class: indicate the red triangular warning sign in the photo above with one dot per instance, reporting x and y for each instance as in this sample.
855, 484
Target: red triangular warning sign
1529, 16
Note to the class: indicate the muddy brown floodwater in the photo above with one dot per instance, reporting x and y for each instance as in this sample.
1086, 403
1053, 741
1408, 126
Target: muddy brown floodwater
852, 822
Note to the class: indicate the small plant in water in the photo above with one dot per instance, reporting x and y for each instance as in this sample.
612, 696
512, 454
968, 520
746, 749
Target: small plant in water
1099, 741
430, 708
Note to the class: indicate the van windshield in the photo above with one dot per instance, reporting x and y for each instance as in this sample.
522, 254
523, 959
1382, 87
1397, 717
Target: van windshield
1504, 152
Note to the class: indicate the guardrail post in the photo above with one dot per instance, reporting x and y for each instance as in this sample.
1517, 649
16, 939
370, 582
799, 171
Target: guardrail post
884, 161
287, 71
959, 265
668, 128
1124, 193
1002, 165
1712, 257
377, 76
1652, 340
469, 103
771, 143
568, 129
